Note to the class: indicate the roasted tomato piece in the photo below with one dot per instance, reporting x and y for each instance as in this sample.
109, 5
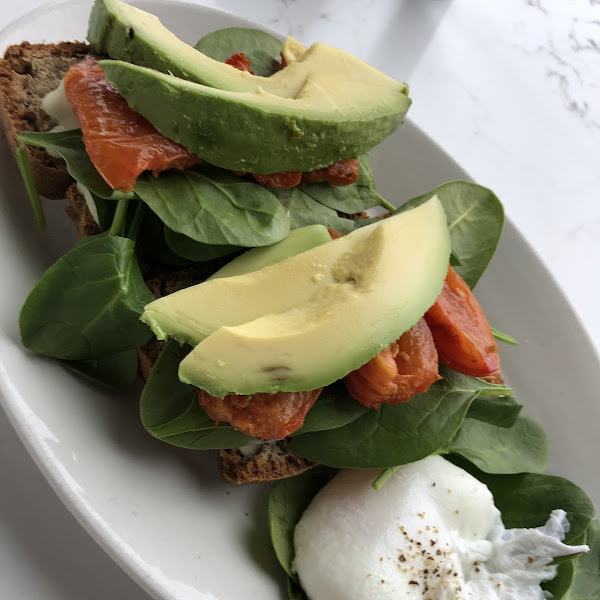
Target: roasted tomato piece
403, 370
119, 141
279, 180
461, 332
334, 233
239, 62
341, 172
265, 416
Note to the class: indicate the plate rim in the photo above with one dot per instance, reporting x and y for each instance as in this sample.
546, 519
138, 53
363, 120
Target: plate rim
20, 414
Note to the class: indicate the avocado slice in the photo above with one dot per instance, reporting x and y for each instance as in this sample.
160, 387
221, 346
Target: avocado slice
324, 312
326, 105
299, 240
176, 316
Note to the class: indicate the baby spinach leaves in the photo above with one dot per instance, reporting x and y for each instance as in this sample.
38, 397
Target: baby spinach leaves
87, 305
216, 212
303, 210
504, 337
502, 410
116, 372
288, 500
333, 408
527, 499
215, 207
193, 250
34, 197
395, 435
501, 450
170, 411
475, 219
259, 47
349, 199
69, 144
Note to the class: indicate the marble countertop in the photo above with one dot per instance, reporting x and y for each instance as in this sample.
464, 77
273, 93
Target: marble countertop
510, 91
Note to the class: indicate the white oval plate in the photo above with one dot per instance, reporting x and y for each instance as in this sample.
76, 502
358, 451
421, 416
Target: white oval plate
163, 513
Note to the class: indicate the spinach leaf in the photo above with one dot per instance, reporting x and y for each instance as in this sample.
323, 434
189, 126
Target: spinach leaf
501, 411
36, 203
527, 499
303, 210
260, 48
215, 207
484, 388
579, 579
69, 144
349, 199
475, 219
106, 211
153, 245
364, 222
170, 411
166, 401
454, 260
395, 435
195, 251
522, 448
504, 337
288, 500
116, 372
210, 439
333, 408
87, 305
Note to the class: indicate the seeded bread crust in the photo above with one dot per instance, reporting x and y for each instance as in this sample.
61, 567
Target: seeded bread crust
27, 73
270, 462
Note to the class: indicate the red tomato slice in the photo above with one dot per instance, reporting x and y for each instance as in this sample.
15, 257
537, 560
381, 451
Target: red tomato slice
120, 142
240, 62
461, 332
279, 180
341, 172
265, 416
404, 369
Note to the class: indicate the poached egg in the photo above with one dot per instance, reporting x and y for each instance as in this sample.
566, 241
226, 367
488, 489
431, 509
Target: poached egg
431, 532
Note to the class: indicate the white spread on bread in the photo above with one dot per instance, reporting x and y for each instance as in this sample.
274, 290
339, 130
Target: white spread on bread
56, 105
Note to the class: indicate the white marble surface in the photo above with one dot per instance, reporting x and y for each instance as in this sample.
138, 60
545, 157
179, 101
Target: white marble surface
509, 89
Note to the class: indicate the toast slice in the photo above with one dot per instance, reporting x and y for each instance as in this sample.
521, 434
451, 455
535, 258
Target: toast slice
27, 73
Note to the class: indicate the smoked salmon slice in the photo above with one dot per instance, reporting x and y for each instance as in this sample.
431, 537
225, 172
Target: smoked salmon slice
119, 141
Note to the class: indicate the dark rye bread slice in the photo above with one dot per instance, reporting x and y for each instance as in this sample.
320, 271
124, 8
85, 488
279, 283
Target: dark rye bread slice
27, 73
267, 462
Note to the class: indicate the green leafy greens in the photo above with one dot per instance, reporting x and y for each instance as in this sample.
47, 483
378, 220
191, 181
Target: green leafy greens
517, 449
36, 202
170, 411
260, 48
475, 220
87, 305
69, 144
218, 209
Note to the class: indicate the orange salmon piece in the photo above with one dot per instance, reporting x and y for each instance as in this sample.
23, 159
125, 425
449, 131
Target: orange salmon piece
120, 142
